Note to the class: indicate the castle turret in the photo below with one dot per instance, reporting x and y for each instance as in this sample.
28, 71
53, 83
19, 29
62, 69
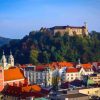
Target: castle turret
4, 60
86, 28
11, 59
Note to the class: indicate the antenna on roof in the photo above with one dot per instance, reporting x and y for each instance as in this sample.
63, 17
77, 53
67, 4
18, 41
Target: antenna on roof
79, 62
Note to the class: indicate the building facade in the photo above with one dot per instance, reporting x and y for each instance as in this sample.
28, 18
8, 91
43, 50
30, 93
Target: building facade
12, 77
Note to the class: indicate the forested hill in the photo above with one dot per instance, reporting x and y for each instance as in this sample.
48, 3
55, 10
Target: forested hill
4, 41
40, 47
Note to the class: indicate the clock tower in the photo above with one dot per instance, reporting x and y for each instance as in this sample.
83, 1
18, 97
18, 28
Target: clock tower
1, 78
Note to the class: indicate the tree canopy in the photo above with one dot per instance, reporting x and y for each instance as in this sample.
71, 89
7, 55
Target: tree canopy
43, 47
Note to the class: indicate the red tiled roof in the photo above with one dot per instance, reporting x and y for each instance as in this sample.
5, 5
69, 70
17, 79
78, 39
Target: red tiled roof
86, 66
72, 70
29, 88
61, 64
13, 74
40, 68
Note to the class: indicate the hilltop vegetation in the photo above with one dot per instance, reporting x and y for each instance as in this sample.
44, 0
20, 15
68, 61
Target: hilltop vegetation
40, 47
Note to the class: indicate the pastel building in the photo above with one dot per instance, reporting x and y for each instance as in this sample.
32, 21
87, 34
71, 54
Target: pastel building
72, 74
95, 78
40, 75
13, 77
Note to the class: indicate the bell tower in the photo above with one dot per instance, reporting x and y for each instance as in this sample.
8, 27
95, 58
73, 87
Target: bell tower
4, 60
11, 59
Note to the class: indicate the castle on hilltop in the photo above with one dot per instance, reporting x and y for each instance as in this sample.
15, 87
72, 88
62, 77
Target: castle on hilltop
71, 30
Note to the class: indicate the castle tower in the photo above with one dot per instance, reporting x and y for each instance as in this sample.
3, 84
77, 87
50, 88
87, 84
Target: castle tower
86, 29
4, 60
1, 78
11, 59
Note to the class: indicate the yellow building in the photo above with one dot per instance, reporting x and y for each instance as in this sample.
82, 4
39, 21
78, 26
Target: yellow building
91, 91
95, 78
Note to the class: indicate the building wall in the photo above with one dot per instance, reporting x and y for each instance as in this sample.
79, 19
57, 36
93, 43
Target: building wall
72, 76
1, 79
84, 72
79, 98
90, 91
72, 31
96, 79
15, 82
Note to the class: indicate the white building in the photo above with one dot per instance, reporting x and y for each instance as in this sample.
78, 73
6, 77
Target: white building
72, 74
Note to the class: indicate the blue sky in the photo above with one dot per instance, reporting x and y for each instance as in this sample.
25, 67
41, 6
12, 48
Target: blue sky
19, 17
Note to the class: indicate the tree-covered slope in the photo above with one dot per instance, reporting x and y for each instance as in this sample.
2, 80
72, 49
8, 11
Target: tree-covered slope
40, 47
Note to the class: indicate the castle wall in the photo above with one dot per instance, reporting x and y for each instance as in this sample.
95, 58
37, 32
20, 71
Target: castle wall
72, 31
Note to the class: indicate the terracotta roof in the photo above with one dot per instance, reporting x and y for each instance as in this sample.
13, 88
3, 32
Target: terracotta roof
13, 74
72, 70
27, 91
86, 66
61, 64
29, 88
40, 68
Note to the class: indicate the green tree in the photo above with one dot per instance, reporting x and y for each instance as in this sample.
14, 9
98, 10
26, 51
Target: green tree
34, 56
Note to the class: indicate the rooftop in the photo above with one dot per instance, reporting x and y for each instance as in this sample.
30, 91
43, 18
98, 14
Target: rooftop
13, 74
72, 70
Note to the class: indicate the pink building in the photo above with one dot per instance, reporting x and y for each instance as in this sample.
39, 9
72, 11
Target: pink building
13, 76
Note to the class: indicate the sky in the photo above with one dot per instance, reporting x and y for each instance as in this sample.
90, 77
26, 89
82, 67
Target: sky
19, 17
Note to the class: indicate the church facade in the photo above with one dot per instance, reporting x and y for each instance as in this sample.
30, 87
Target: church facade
4, 60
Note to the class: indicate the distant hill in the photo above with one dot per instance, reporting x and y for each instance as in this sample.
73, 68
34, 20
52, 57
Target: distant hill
4, 41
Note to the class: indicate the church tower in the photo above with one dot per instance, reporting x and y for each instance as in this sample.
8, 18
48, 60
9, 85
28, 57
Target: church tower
11, 59
4, 60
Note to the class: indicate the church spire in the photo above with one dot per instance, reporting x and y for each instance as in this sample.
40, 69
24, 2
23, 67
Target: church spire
3, 52
11, 59
4, 60
10, 53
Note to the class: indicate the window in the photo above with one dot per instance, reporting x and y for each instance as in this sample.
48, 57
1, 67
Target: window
67, 74
71, 77
71, 74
